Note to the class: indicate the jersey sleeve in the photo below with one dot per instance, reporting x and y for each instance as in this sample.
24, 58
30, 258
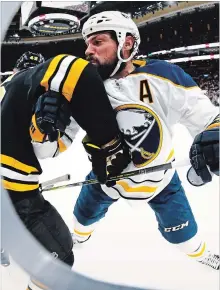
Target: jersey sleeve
49, 149
92, 108
20, 169
188, 103
79, 82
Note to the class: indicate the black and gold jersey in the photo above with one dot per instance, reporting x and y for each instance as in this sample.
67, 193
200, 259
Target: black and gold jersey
79, 82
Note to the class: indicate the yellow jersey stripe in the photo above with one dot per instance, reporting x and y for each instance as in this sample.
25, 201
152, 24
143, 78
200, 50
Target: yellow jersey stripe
213, 126
2, 93
92, 145
62, 146
12, 162
200, 253
35, 283
170, 155
139, 62
73, 77
35, 133
127, 188
50, 70
164, 79
19, 186
82, 234
176, 85
8, 79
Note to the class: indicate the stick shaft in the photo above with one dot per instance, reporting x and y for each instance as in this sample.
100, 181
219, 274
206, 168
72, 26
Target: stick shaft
53, 181
156, 168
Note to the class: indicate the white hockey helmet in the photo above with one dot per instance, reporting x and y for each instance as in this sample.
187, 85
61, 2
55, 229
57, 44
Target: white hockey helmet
116, 21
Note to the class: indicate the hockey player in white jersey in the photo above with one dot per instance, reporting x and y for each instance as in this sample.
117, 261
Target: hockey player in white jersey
149, 98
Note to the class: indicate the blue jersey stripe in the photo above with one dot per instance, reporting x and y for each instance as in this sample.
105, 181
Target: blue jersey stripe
168, 71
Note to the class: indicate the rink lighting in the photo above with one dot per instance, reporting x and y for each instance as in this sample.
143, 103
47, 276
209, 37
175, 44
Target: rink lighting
54, 24
187, 59
183, 48
193, 58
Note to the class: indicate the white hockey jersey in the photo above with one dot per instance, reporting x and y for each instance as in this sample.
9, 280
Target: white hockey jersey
148, 102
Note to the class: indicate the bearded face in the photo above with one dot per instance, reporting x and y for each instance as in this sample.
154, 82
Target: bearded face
106, 68
102, 52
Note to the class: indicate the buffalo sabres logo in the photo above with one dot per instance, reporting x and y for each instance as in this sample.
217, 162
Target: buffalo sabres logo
142, 131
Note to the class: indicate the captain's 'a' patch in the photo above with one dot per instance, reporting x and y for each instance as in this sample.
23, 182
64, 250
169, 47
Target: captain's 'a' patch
142, 131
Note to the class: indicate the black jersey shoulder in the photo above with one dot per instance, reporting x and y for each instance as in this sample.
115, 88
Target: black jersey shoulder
62, 74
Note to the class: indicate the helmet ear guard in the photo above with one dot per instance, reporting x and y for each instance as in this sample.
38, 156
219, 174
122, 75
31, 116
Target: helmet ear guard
121, 42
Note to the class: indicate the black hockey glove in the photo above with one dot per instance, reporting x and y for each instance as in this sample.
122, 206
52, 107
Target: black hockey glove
205, 152
111, 158
51, 117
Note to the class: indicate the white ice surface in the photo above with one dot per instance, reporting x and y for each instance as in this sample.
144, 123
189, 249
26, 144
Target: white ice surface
127, 247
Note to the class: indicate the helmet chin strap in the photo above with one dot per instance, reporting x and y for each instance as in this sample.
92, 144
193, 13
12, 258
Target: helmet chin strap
120, 59
116, 68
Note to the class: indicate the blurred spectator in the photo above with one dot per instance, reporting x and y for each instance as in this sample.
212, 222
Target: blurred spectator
210, 84
142, 11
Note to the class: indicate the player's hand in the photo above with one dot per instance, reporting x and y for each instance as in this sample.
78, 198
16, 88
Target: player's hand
51, 117
111, 158
204, 153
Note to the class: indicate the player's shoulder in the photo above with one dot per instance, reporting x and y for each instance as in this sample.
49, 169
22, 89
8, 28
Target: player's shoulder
64, 63
166, 71
66, 60
64, 73
71, 67
7, 80
14, 80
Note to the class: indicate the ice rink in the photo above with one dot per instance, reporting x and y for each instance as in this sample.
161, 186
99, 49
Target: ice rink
127, 247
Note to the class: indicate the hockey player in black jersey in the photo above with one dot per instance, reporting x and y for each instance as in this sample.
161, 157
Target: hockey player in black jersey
42, 109
25, 61
28, 60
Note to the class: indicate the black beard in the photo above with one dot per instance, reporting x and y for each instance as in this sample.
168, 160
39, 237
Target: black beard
105, 70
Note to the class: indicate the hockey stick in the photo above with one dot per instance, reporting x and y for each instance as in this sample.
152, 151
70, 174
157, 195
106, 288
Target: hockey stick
156, 168
50, 183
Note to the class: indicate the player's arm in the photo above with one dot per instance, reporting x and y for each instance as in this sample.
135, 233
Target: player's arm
201, 118
49, 149
70, 80
92, 109
19, 168
94, 113
190, 106
204, 152
73, 81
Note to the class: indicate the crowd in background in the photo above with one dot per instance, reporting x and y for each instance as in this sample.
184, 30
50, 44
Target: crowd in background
181, 30
210, 85
142, 11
